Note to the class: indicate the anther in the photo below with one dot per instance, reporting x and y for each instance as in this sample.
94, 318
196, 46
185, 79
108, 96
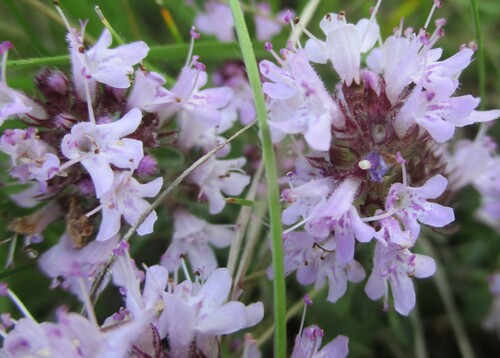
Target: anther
195, 35
289, 15
365, 164
296, 20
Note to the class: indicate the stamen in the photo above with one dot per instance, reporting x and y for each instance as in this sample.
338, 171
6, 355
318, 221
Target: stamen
437, 4
86, 301
5, 290
402, 161
269, 48
194, 35
93, 211
296, 226
380, 216
195, 81
89, 100
185, 269
70, 163
294, 37
372, 19
307, 302
311, 36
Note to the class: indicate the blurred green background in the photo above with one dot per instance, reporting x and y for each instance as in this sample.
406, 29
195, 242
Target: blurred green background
467, 256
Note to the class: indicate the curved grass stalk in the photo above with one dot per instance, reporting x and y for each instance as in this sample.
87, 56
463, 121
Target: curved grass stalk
242, 223
253, 234
279, 287
99, 278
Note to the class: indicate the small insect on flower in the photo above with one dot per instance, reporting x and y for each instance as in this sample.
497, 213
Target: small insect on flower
78, 225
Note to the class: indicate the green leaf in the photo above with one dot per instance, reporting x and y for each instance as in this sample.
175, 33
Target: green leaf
208, 51
168, 157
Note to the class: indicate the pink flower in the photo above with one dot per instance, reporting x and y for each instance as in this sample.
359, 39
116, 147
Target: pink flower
62, 259
220, 176
112, 67
99, 146
316, 262
199, 105
412, 207
204, 313
308, 344
344, 45
267, 26
31, 158
195, 237
395, 265
299, 101
125, 198
216, 20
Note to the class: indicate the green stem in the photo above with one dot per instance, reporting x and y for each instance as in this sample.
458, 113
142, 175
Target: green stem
479, 53
209, 50
243, 202
279, 287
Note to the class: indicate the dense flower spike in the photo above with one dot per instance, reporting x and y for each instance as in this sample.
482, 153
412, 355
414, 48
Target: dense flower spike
356, 180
